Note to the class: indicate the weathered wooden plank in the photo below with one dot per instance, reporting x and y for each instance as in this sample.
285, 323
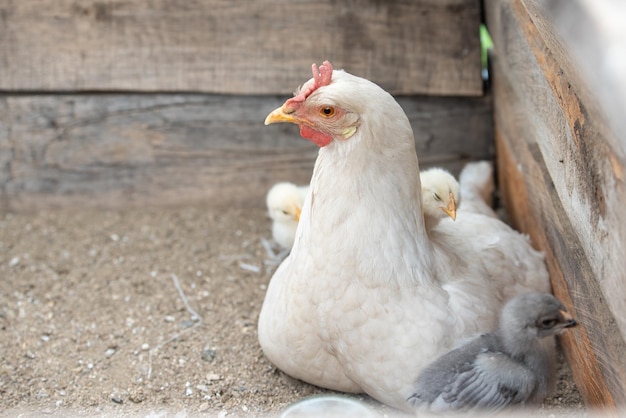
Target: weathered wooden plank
563, 182
119, 150
588, 40
6, 153
240, 47
534, 208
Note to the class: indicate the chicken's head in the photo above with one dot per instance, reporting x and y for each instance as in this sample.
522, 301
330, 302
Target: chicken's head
533, 315
318, 110
440, 193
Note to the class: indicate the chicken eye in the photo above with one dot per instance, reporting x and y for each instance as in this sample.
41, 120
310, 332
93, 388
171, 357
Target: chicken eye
547, 323
327, 111
436, 196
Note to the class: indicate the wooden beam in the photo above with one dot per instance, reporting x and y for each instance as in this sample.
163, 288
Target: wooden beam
563, 184
588, 40
119, 150
237, 47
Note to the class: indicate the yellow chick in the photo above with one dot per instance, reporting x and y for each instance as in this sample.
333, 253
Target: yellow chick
440, 195
284, 204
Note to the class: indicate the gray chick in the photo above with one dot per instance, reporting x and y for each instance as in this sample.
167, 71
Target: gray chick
513, 365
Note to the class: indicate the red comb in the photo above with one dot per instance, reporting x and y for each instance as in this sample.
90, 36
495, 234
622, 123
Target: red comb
321, 78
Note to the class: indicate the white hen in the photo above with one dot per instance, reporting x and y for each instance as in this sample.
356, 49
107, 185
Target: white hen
284, 204
365, 299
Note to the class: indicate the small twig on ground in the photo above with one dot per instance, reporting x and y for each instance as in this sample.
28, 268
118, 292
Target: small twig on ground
274, 259
268, 248
194, 317
194, 314
249, 267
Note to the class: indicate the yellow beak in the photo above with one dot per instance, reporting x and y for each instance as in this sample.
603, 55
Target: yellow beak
451, 209
298, 212
279, 115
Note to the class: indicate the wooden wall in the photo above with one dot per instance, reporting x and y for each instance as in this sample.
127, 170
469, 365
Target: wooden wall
116, 150
240, 47
561, 169
110, 103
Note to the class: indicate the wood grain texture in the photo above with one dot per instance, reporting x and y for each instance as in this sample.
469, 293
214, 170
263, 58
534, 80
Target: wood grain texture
563, 182
237, 47
588, 40
120, 150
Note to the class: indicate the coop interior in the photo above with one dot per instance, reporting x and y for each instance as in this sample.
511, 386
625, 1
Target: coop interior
134, 165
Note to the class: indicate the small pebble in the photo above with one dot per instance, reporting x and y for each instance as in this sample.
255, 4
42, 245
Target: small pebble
208, 354
14, 262
212, 377
115, 237
137, 395
170, 318
109, 353
117, 398
145, 346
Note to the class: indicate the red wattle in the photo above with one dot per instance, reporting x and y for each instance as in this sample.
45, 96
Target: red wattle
318, 138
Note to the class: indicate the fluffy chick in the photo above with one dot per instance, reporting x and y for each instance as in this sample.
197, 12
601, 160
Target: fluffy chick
284, 203
513, 365
440, 195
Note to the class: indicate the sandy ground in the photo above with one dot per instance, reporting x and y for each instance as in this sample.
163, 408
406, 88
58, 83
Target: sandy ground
146, 313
